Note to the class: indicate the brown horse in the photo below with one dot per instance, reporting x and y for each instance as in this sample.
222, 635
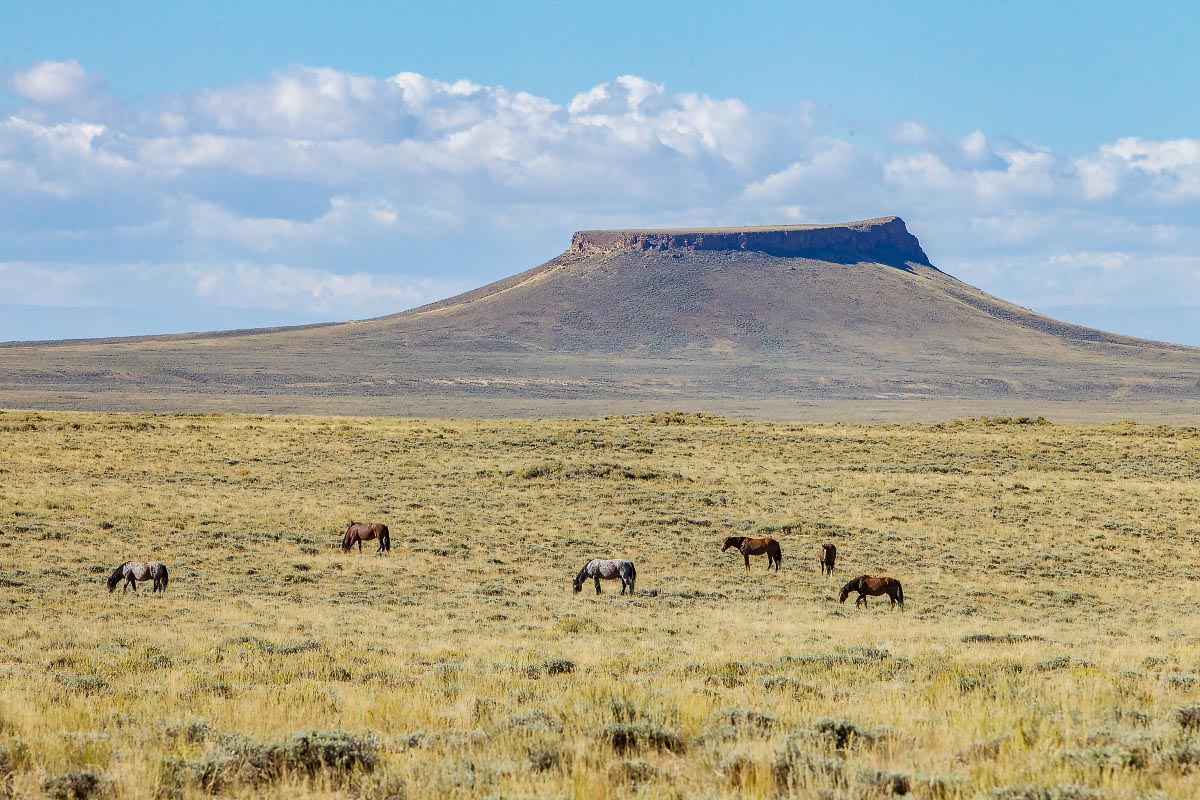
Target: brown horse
755, 547
827, 555
866, 585
364, 532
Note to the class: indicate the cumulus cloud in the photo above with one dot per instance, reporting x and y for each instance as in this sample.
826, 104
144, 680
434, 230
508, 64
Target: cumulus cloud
55, 83
346, 194
60, 86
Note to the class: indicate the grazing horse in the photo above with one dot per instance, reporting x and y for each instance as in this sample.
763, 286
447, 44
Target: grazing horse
607, 568
133, 571
755, 547
364, 532
827, 556
866, 585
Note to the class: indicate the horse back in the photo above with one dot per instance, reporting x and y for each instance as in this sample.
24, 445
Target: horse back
367, 530
759, 546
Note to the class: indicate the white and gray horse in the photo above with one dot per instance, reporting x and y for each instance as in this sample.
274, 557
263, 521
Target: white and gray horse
607, 568
133, 571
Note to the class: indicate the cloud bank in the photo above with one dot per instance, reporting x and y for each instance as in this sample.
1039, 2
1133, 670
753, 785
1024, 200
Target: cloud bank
331, 195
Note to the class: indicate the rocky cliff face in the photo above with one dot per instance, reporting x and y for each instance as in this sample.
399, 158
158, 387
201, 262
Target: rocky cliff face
885, 240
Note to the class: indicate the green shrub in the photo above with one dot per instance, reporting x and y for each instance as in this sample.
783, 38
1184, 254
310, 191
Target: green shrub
632, 736
87, 684
72, 785
632, 771
244, 762
1188, 717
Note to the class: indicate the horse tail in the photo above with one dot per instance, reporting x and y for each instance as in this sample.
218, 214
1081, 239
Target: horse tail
900, 593
385, 537
164, 576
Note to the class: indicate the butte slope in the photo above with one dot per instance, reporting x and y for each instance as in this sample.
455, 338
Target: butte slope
788, 321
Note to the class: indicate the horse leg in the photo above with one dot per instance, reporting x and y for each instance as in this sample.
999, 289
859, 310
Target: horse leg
597, 584
747, 557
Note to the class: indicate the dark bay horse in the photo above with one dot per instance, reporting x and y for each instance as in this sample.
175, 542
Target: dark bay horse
755, 547
607, 568
866, 585
364, 532
133, 571
827, 555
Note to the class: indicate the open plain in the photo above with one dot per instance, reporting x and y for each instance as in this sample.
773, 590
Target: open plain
1048, 649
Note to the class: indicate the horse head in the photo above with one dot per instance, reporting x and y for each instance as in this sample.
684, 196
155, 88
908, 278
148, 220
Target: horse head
577, 584
847, 589
116, 577
732, 541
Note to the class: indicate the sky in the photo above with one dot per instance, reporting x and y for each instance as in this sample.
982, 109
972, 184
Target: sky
201, 166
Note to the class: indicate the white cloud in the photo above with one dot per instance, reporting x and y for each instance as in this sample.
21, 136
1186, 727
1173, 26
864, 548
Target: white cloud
974, 146
55, 83
1163, 172
62, 87
911, 132
341, 296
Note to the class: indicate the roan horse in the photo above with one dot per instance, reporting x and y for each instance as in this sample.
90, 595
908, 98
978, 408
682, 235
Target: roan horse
866, 585
755, 547
364, 532
133, 571
607, 568
827, 555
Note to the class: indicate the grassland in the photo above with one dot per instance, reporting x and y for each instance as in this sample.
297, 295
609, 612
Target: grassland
1050, 648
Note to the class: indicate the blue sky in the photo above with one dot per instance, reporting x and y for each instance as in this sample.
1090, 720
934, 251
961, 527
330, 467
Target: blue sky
170, 167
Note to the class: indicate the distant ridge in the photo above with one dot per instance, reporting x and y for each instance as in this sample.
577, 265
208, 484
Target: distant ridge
848, 320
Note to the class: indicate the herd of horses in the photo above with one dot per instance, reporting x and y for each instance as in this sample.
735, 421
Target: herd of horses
597, 569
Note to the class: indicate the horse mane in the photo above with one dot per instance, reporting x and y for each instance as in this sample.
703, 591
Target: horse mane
852, 584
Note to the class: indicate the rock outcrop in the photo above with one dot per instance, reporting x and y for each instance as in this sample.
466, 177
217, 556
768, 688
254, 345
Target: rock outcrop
885, 240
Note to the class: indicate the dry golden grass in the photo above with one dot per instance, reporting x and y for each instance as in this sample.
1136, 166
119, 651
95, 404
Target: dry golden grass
1049, 649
